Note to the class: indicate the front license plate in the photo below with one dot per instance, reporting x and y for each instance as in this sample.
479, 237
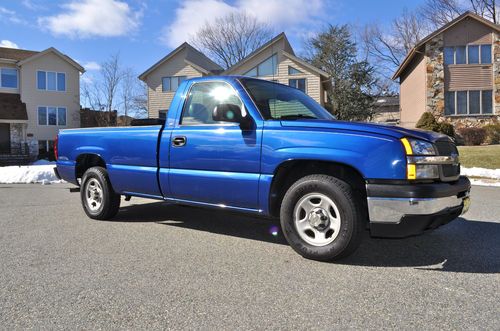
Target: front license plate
466, 205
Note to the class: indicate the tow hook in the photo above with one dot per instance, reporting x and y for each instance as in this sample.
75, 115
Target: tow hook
128, 197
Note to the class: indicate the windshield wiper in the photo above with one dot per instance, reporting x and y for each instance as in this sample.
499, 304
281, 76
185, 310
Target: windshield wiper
297, 116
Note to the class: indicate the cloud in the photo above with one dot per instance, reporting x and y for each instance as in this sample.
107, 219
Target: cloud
193, 14
7, 15
8, 44
32, 5
92, 66
93, 18
190, 17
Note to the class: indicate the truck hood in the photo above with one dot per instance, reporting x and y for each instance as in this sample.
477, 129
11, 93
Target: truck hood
381, 129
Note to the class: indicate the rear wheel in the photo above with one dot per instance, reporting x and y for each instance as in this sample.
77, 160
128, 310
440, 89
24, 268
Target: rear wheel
321, 218
99, 200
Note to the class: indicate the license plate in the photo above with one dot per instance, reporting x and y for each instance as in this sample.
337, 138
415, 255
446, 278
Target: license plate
466, 205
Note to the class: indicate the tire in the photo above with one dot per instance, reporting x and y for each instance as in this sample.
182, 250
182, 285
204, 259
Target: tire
105, 203
321, 218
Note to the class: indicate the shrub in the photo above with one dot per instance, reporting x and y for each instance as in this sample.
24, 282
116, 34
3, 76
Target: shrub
447, 129
492, 133
472, 136
427, 122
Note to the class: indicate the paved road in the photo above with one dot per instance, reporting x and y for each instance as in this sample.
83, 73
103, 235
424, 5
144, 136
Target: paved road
161, 266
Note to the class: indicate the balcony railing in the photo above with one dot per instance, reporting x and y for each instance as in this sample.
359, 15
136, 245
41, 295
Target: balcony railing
15, 149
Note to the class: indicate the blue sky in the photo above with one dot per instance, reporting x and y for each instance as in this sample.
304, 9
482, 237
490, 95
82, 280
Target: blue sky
143, 31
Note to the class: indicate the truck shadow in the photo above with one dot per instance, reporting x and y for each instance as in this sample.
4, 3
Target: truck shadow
201, 219
461, 246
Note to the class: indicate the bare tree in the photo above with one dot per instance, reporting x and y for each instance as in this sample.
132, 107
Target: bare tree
388, 48
231, 38
133, 99
111, 76
115, 88
440, 12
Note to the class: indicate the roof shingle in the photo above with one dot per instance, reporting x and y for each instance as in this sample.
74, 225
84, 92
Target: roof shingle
15, 54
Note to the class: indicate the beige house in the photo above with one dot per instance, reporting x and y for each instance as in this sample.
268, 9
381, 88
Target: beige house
39, 94
163, 78
453, 73
275, 60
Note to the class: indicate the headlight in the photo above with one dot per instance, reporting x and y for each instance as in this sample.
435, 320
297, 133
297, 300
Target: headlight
418, 147
419, 171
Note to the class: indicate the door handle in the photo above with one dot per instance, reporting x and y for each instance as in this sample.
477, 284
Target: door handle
179, 141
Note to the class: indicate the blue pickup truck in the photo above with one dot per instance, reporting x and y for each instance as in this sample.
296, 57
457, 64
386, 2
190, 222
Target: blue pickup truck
254, 146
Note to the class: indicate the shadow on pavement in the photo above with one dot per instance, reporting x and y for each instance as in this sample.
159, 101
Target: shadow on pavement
208, 220
461, 246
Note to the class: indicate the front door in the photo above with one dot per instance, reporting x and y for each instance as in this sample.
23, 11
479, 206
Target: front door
4, 138
214, 162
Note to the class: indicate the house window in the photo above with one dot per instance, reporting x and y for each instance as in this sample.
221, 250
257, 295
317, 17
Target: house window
460, 57
51, 81
170, 84
293, 71
468, 102
51, 115
8, 77
268, 67
486, 54
298, 84
46, 149
470, 54
473, 54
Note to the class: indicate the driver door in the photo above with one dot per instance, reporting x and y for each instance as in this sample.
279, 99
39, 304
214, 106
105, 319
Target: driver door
214, 162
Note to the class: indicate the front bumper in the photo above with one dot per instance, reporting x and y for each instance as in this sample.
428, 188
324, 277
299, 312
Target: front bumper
402, 210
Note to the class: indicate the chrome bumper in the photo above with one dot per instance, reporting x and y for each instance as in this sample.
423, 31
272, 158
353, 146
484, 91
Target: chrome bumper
392, 210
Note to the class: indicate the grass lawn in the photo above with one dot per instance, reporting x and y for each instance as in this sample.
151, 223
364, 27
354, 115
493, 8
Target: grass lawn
480, 156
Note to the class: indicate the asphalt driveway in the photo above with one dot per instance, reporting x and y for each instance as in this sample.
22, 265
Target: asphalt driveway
164, 266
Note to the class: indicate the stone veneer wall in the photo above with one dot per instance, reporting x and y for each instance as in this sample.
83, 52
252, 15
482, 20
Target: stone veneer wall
435, 76
435, 85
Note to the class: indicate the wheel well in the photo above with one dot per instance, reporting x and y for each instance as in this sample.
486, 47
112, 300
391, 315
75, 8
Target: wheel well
291, 171
86, 161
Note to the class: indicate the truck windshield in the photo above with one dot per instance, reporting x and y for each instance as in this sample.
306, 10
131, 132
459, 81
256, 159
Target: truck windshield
280, 102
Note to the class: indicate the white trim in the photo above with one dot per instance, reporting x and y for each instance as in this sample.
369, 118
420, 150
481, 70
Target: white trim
17, 79
47, 81
47, 116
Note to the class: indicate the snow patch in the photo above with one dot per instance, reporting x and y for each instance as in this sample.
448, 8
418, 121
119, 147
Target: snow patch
43, 174
481, 182
481, 172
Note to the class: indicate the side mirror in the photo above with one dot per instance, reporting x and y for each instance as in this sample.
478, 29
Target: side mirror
227, 112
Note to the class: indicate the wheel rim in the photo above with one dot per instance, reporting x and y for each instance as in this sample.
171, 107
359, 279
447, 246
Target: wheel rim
317, 219
93, 193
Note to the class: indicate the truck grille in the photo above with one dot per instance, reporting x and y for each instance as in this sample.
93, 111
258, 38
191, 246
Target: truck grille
446, 148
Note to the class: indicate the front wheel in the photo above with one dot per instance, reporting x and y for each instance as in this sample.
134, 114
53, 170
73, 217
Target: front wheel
320, 218
99, 200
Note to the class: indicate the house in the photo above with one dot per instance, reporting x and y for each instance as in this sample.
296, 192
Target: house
453, 73
386, 110
39, 94
163, 78
275, 60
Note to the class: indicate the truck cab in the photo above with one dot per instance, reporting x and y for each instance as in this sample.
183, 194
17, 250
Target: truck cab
260, 147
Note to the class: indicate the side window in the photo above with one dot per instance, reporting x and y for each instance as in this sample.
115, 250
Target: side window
281, 109
202, 100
